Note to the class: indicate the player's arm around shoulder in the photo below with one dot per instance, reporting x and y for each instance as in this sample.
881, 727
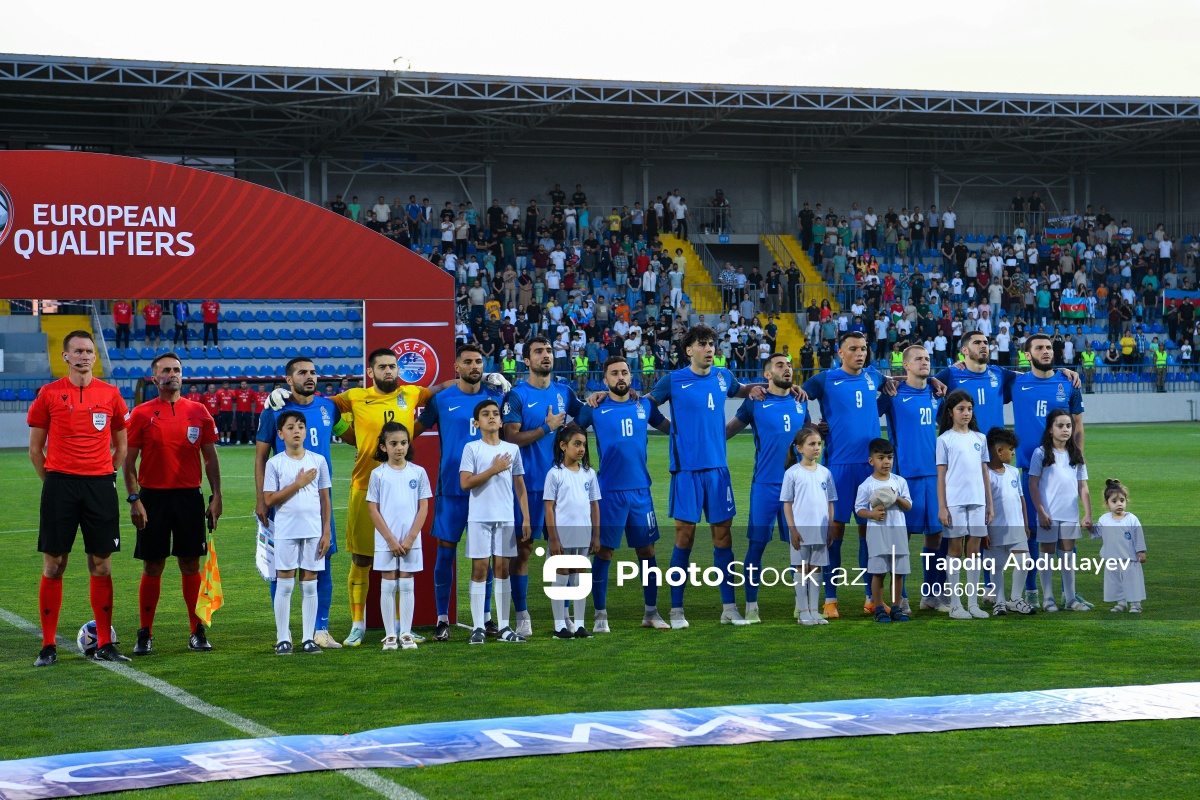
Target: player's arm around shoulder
742, 418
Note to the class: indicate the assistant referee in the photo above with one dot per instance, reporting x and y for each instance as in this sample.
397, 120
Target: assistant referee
170, 433
76, 440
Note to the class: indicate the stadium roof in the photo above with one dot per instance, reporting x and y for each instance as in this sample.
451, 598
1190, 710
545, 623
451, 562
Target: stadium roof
275, 112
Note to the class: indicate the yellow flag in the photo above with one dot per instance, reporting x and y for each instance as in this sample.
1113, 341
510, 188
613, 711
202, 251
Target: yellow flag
211, 595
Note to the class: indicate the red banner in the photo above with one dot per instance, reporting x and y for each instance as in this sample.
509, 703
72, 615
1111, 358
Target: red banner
87, 226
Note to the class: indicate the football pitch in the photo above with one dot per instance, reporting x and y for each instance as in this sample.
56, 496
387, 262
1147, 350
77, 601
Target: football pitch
77, 706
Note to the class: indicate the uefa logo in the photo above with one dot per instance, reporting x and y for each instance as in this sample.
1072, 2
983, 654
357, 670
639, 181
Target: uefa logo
418, 361
6, 214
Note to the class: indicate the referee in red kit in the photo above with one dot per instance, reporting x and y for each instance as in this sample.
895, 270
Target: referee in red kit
76, 442
170, 433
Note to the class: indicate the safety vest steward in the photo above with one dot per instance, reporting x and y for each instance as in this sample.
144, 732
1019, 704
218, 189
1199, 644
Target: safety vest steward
581, 365
1089, 360
897, 360
719, 361
1160, 358
509, 365
1022, 358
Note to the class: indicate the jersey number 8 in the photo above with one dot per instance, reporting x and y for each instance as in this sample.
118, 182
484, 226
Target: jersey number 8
312, 437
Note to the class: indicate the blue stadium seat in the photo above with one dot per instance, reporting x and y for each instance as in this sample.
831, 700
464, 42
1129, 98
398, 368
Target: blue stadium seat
346, 369
275, 353
329, 333
230, 316
277, 316
188, 372
323, 316
279, 369
250, 371
247, 316
307, 352
228, 352
322, 352
26, 395
116, 354
120, 372
337, 351
110, 334
197, 317
293, 316
244, 352
308, 316
137, 372
315, 333
219, 372
285, 334
139, 335
262, 316
357, 333
131, 353
290, 352
327, 370
195, 353
238, 334
214, 352
146, 353
8, 396
259, 352
267, 334
299, 333
127, 392
203, 372
338, 315
354, 351
353, 315
345, 333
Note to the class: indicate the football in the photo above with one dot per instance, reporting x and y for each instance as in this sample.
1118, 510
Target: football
86, 640
883, 497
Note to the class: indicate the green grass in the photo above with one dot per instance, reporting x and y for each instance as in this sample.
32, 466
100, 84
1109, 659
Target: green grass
77, 707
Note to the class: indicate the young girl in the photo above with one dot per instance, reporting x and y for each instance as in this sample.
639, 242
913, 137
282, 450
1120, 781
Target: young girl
1057, 484
1122, 537
964, 497
807, 496
572, 495
398, 500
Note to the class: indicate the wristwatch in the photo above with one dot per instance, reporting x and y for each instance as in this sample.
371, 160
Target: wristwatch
133, 498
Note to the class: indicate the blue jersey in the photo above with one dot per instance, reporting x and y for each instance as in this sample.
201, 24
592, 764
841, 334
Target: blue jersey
912, 427
527, 405
848, 405
621, 428
319, 417
452, 412
989, 390
775, 420
697, 416
1033, 398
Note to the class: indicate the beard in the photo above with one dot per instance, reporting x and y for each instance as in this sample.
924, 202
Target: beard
471, 378
387, 387
304, 390
620, 390
785, 383
540, 369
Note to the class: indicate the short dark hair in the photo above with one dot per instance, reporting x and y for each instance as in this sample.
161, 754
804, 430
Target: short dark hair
698, 334
290, 367
774, 356
379, 352
613, 360
1032, 336
77, 335
282, 419
969, 335
1000, 435
482, 405
168, 354
850, 335
880, 447
536, 340
469, 347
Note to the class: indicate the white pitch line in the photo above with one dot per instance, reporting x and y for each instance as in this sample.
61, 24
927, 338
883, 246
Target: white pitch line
363, 777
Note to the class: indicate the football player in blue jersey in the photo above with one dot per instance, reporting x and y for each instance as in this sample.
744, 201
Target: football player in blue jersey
700, 484
1034, 395
451, 411
621, 423
912, 427
533, 410
323, 422
776, 419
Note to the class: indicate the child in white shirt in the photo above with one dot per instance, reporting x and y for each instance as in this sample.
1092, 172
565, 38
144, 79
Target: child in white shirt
571, 495
1124, 540
807, 495
1057, 484
964, 498
887, 530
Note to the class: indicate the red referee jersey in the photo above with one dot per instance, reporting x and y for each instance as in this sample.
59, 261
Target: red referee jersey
80, 421
170, 436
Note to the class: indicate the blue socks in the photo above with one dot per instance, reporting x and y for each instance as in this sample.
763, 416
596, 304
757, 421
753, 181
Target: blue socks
650, 590
520, 591
680, 558
600, 568
722, 558
835, 563
754, 557
324, 596
443, 579
1031, 578
487, 591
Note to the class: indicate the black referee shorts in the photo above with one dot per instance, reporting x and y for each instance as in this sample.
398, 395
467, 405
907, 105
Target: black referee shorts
74, 502
175, 525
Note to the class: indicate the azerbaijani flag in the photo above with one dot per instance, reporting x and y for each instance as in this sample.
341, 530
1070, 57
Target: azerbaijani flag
1061, 236
1177, 297
212, 596
1073, 308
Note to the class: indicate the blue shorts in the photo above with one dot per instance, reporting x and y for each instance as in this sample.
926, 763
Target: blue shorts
766, 511
707, 491
537, 515
450, 517
630, 512
923, 516
846, 479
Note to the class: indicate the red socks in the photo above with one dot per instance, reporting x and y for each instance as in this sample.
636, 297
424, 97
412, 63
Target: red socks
101, 593
49, 603
148, 592
191, 592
